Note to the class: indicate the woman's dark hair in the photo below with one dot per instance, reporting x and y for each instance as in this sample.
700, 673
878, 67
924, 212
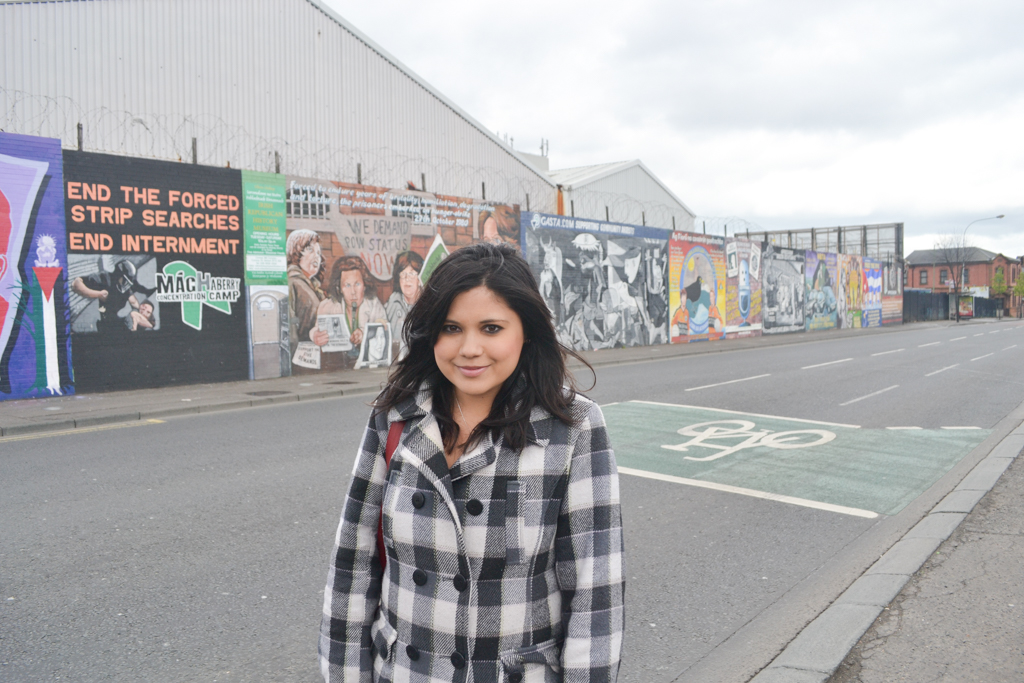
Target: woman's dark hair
539, 378
403, 261
346, 263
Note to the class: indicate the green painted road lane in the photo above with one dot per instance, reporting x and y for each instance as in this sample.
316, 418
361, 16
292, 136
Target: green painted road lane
876, 470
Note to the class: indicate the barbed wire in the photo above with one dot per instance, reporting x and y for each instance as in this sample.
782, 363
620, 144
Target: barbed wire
219, 143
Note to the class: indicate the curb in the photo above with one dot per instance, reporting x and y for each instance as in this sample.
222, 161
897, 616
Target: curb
815, 654
201, 409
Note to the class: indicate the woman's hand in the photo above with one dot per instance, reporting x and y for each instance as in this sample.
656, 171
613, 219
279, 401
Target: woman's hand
357, 336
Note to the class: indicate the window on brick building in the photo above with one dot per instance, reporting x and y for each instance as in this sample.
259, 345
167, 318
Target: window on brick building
943, 276
922, 277
967, 276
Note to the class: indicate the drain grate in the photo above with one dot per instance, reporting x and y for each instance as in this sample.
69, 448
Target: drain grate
268, 393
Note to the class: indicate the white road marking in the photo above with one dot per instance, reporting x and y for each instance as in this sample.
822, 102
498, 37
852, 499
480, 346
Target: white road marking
959, 427
994, 332
921, 346
1009, 347
980, 357
821, 365
882, 353
957, 339
903, 428
732, 381
980, 334
876, 393
739, 412
948, 367
609, 404
764, 495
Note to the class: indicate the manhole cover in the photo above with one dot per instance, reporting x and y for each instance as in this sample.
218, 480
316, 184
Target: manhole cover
268, 393
342, 381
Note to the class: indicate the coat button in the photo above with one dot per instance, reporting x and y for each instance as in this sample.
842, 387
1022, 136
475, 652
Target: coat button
460, 582
413, 653
458, 661
474, 507
514, 677
419, 577
417, 500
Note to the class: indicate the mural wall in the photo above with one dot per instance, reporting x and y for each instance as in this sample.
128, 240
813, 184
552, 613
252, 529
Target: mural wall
357, 257
696, 280
784, 289
155, 269
742, 288
121, 273
35, 353
604, 282
820, 304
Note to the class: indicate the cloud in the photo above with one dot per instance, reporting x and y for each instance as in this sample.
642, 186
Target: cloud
779, 112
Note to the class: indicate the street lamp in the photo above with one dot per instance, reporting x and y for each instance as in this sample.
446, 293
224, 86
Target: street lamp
963, 260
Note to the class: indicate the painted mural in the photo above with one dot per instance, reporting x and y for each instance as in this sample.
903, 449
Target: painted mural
35, 339
356, 256
784, 289
892, 294
155, 270
871, 313
742, 288
604, 282
820, 305
849, 291
697, 275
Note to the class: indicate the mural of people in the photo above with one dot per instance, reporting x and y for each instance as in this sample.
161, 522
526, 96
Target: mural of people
114, 292
783, 289
697, 274
305, 264
603, 290
499, 224
742, 289
350, 293
820, 305
406, 291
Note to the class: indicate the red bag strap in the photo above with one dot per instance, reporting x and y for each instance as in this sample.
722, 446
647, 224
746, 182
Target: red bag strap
394, 437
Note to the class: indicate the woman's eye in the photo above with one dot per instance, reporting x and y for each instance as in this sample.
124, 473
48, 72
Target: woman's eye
492, 329
449, 329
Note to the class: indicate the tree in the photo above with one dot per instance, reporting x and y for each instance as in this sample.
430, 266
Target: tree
953, 250
998, 287
1018, 290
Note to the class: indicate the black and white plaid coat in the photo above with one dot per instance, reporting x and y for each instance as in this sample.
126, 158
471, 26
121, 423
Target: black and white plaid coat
508, 567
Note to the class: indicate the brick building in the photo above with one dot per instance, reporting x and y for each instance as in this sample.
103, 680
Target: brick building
929, 269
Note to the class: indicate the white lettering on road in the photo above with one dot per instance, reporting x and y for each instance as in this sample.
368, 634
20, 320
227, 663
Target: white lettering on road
703, 433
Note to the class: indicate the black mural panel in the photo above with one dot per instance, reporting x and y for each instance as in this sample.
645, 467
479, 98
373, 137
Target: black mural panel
155, 269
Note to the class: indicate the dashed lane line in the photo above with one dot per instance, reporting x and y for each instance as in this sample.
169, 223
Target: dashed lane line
1009, 347
980, 334
876, 393
980, 357
921, 346
882, 353
821, 365
948, 367
959, 427
732, 381
764, 495
743, 412
895, 428
957, 339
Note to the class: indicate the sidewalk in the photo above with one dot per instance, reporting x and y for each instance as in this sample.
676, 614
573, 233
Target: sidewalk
61, 413
961, 618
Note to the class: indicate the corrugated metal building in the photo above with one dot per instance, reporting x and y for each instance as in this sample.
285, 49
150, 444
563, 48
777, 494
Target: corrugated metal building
623, 192
267, 85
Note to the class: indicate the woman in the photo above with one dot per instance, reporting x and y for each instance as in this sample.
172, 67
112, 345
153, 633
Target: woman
406, 282
305, 261
501, 521
347, 295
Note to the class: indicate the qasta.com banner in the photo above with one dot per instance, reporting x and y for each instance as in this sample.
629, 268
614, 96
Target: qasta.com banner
155, 272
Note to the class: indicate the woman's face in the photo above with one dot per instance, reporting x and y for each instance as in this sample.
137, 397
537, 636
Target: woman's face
352, 287
490, 230
409, 281
479, 345
311, 259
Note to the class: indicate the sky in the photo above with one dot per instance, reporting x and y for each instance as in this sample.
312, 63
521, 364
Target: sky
788, 114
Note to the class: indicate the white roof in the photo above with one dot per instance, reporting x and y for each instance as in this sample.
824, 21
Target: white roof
579, 176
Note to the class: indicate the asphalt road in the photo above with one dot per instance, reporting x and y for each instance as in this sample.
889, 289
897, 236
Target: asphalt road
196, 549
